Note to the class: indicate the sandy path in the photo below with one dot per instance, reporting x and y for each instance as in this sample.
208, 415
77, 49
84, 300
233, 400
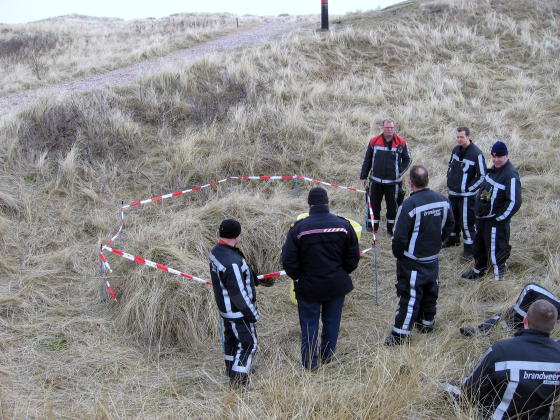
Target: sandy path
262, 34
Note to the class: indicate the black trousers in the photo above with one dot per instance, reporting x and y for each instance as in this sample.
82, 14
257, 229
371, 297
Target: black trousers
491, 246
463, 213
330, 312
394, 197
514, 316
417, 288
240, 345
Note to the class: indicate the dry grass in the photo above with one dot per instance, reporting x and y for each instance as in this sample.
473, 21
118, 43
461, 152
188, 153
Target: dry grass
68, 47
304, 106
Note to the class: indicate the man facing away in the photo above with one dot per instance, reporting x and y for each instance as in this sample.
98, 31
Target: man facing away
234, 284
519, 377
320, 252
424, 221
465, 174
387, 159
498, 199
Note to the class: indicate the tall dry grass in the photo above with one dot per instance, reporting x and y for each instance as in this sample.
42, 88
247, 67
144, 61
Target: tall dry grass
304, 106
73, 46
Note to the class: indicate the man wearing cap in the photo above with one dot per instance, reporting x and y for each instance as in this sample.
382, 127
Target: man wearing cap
519, 377
387, 159
319, 254
465, 173
423, 222
497, 200
234, 290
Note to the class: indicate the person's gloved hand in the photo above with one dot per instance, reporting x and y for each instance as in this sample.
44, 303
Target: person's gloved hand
267, 282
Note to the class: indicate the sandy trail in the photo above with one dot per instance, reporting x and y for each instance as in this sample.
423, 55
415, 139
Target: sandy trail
267, 32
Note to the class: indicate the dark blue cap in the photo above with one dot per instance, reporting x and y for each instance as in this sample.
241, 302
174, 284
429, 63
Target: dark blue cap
499, 149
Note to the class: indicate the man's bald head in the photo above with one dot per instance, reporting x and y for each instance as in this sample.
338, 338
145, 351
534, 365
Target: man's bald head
542, 316
419, 176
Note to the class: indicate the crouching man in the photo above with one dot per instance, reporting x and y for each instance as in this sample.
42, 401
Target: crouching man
519, 377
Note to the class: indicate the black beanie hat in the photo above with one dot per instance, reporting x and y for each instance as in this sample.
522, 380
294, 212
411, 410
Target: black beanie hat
317, 195
229, 229
499, 149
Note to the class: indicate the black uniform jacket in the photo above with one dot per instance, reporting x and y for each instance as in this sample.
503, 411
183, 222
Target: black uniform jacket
387, 161
423, 221
517, 376
466, 170
234, 284
502, 188
319, 254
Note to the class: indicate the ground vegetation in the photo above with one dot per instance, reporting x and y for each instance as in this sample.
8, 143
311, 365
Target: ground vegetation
305, 105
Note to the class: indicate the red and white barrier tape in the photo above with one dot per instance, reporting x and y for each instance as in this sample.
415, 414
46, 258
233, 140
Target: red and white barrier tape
119, 230
229, 178
111, 291
105, 262
152, 264
197, 188
107, 270
271, 275
162, 267
371, 218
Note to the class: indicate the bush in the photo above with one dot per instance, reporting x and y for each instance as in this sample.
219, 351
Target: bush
93, 123
24, 47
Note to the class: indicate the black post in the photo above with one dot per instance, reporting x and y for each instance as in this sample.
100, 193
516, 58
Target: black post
325, 15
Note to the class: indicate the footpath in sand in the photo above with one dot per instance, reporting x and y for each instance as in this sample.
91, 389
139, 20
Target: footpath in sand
259, 35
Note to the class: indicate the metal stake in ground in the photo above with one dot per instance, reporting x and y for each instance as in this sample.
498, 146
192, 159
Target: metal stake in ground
374, 247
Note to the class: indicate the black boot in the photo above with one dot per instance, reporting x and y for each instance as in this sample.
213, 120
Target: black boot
467, 331
467, 253
451, 241
473, 274
424, 329
396, 340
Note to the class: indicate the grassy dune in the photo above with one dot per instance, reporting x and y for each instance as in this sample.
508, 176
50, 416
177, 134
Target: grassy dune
304, 106
69, 47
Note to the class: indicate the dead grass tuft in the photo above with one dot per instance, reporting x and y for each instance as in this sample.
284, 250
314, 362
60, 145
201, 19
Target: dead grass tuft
92, 128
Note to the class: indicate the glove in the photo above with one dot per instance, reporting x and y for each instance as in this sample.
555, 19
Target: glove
266, 282
483, 203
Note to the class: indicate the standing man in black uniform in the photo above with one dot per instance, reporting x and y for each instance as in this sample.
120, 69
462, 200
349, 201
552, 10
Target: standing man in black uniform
513, 317
387, 157
234, 290
465, 173
424, 221
320, 252
519, 377
498, 199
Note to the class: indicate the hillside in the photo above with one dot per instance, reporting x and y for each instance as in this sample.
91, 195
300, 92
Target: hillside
305, 105
70, 47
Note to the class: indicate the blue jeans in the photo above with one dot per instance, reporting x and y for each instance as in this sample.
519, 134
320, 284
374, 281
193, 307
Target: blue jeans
330, 312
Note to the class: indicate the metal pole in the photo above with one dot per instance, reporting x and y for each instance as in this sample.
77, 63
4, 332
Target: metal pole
374, 246
103, 293
325, 15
